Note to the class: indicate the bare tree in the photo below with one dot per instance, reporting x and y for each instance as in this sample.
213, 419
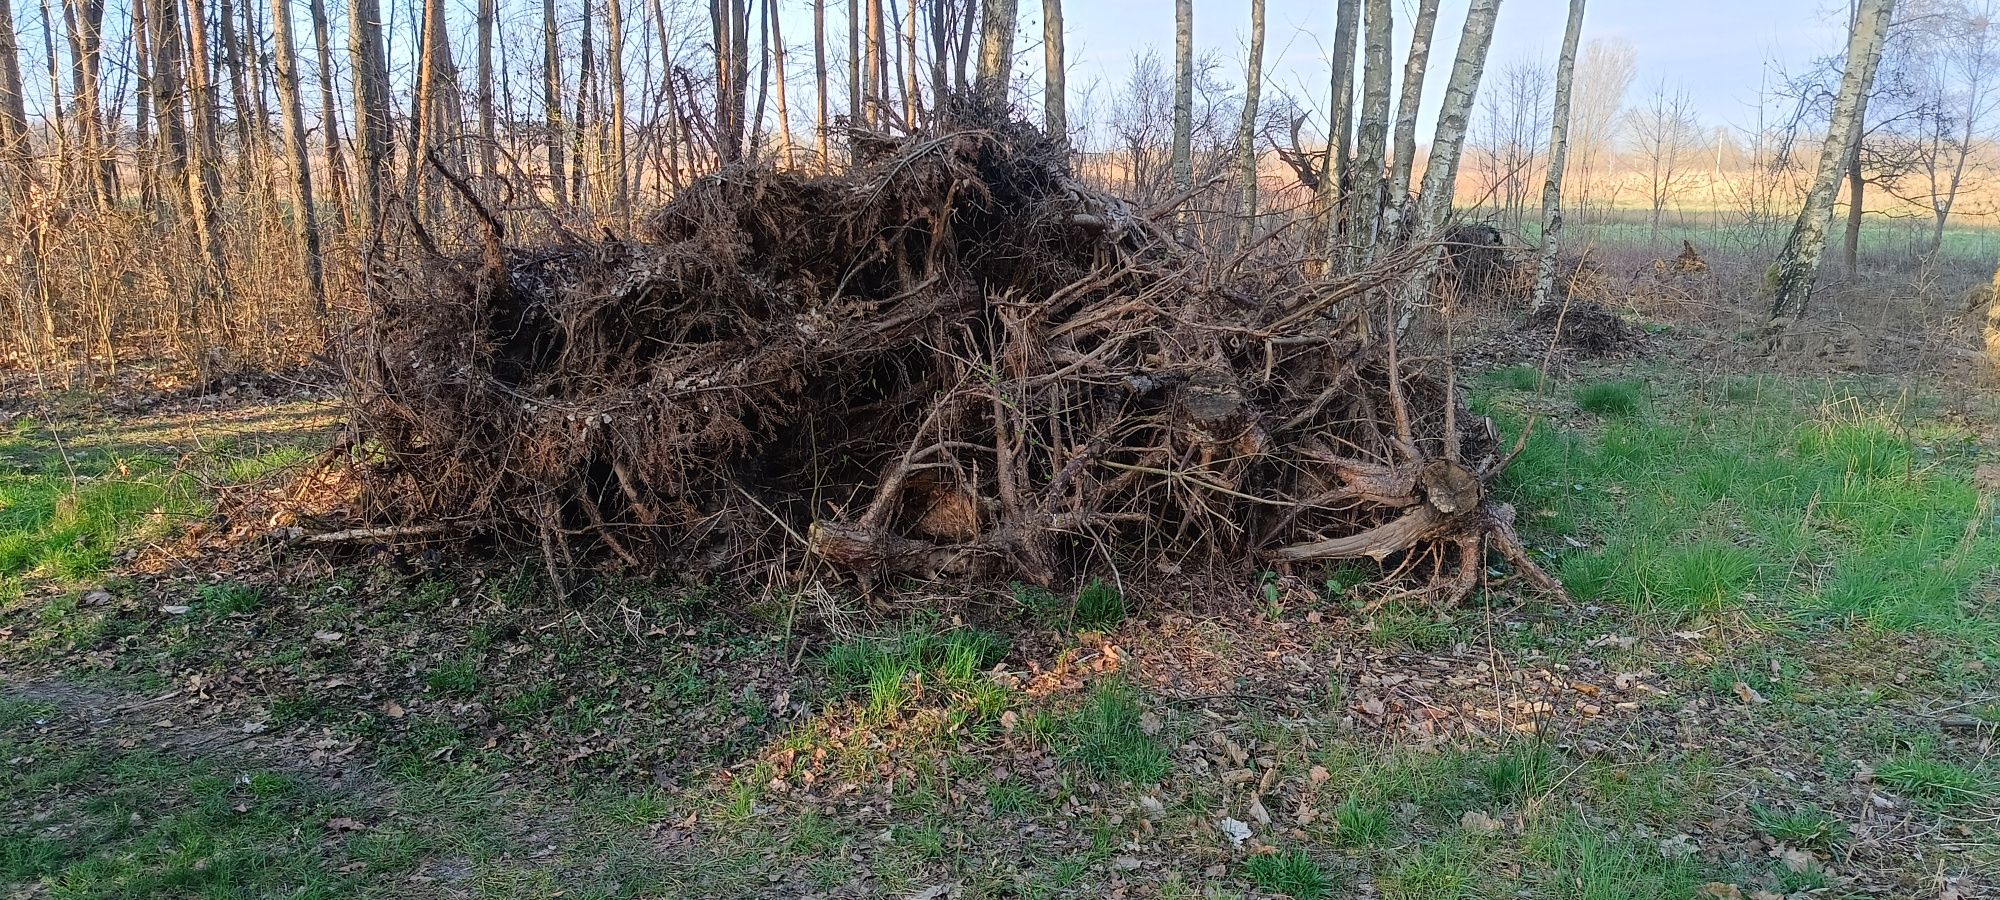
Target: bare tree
820, 123
1668, 142
1552, 214
1448, 140
1798, 264
1246, 133
489, 11
329, 111
371, 106
553, 120
1183, 152
1340, 123
1597, 114
1507, 144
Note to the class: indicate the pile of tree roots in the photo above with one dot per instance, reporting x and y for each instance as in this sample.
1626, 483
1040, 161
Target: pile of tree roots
949, 362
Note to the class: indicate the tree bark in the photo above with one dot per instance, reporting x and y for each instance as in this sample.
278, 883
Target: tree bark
437, 113
1797, 266
1055, 89
85, 20
304, 219
778, 81
996, 50
875, 94
15, 152
1183, 149
1447, 145
1340, 125
820, 123
620, 168
1246, 130
372, 148
484, 24
552, 106
1857, 189
336, 169
1552, 214
239, 94
1365, 210
1411, 99
204, 176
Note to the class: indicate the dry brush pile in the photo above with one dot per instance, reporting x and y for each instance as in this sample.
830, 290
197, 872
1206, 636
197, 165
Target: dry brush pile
952, 362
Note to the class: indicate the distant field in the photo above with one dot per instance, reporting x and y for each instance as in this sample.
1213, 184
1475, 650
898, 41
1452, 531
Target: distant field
1884, 240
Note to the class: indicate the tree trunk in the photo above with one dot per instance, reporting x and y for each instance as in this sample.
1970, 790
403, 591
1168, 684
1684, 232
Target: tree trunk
996, 50
372, 148
1055, 86
15, 152
17, 158
304, 218
913, 92
1183, 150
552, 106
239, 95
820, 123
1411, 99
874, 96
857, 99
1797, 266
580, 124
1447, 144
739, 70
778, 71
437, 113
614, 45
484, 24
1340, 125
1365, 210
336, 170
205, 177
1552, 215
85, 20
142, 102
1857, 188
1246, 130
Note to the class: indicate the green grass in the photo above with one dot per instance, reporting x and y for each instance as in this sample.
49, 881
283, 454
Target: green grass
892, 671
1289, 872
1360, 825
1935, 784
1107, 736
1442, 870
1099, 606
1611, 398
1808, 827
1785, 499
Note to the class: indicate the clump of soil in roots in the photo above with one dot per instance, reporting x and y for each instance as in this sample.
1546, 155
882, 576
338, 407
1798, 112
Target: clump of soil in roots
951, 362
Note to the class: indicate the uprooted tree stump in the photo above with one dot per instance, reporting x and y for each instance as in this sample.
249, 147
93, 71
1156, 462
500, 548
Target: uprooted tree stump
951, 362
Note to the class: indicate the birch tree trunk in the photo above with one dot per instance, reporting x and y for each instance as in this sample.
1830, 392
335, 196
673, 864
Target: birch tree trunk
1340, 125
1552, 214
1183, 150
1447, 144
1365, 210
304, 219
871, 91
1408, 103
1246, 130
856, 94
1798, 263
1055, 85
996, 50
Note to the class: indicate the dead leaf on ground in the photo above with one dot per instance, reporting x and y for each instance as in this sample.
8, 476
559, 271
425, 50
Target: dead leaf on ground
1749, 695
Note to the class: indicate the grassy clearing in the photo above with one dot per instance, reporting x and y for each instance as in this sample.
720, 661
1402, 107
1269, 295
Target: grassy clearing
1789, 501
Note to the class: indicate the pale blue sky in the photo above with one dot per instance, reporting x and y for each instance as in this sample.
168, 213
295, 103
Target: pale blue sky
1718, 50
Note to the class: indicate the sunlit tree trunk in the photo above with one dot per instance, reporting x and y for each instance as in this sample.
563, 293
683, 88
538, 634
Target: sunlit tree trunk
1246, 130
874, 95
614, 47
142, 103
1365, 212
304, 218
17, 158
820, 123
1552, 213
247, 133
1447, 145
336, 168
1183, 149
85, 21
913, 92
778, 82
552, 106
437, 113
1857, 189
1055, 86
996, 50
1798, 263
204, 175
1409, 101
